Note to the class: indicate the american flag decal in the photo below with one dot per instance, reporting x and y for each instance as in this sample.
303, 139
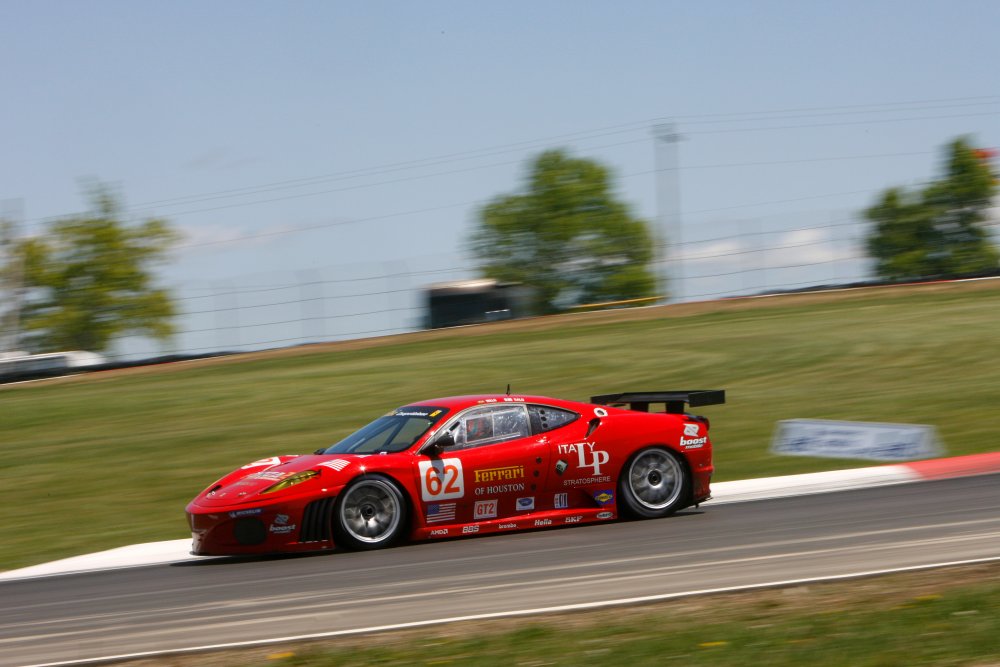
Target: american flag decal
440, 512
336, 464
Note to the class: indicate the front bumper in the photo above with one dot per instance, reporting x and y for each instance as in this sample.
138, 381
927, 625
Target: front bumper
286, 527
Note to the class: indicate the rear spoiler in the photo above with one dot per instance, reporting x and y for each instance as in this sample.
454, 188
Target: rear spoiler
674, 400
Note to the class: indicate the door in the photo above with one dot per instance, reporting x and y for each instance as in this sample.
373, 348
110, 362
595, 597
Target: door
495, 470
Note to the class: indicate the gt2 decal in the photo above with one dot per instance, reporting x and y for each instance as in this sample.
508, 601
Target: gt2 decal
485, 509
441, 479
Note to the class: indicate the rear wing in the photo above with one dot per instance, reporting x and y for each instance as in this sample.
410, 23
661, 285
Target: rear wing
674, 400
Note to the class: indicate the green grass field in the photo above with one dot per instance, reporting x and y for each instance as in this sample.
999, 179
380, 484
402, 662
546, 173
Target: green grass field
922, 619
948, 616
99, 461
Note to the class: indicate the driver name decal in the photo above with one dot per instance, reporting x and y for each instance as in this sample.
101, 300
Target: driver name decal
441, 479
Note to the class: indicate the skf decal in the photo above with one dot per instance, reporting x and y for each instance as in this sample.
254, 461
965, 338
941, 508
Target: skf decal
441, 479
604, 496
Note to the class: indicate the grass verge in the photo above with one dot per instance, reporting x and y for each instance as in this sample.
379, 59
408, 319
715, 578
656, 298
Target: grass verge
99, 461
949, 616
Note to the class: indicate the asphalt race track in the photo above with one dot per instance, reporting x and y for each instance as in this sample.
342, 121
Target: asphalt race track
163, 607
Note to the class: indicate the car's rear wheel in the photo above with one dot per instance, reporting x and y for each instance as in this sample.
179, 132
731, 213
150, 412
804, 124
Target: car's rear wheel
371, 513
653, 483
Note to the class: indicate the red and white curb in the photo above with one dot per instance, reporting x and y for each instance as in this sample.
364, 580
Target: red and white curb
767, 488
858, 478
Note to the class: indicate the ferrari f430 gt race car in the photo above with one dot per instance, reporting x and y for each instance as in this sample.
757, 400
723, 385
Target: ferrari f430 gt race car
467, 465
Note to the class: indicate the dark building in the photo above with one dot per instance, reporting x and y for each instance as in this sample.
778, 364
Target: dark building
475, 302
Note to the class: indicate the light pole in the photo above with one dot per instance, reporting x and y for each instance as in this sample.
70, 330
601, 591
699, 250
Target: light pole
668, 237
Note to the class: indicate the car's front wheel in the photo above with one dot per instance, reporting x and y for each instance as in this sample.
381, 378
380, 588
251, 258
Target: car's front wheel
654, 483
370, 513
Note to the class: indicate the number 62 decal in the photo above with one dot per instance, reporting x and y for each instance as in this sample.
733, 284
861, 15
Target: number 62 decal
441, 479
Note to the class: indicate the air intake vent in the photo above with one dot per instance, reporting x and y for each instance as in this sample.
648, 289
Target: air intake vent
316, 520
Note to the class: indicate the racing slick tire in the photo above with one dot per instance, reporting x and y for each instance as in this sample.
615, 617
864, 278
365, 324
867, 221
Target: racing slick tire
370, 513
654, 483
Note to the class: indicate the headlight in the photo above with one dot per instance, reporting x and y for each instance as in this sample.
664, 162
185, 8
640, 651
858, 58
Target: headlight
297, 478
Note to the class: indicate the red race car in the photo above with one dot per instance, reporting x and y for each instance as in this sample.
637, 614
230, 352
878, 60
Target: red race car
467, 465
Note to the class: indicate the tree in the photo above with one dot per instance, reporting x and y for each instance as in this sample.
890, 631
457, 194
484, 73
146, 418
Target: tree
566, 236
940, 230
88, 280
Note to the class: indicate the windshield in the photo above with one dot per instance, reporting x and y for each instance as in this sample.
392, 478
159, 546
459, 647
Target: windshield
394, 432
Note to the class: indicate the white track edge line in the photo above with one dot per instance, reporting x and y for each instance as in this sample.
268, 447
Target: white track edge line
582, 606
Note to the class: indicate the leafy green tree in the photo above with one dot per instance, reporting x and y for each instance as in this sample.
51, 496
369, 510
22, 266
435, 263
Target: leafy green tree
88, 280
938, 231
566, 236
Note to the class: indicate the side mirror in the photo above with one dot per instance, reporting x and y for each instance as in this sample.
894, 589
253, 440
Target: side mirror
445, 440
440, 443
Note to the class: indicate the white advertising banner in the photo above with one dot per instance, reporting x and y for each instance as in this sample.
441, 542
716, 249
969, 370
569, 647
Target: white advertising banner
855, 440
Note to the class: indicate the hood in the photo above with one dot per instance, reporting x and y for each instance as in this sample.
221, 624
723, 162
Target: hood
247, 484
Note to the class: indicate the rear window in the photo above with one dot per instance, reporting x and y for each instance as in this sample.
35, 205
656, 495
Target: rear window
545, 418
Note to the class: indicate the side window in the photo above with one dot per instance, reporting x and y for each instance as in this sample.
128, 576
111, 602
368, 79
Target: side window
545, 418
492, 424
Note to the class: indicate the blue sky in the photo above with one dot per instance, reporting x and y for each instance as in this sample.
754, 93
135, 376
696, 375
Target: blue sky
319, 146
